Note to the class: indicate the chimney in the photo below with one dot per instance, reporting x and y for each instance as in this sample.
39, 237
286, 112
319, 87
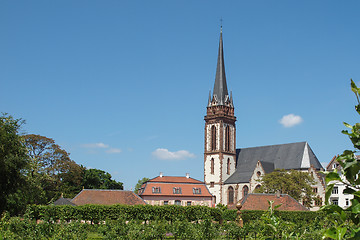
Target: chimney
278, 193
187, 175
161, 174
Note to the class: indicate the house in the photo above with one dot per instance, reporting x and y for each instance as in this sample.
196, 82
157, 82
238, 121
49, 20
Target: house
102, 197
231, 173
337, 196
183, 191
260, 201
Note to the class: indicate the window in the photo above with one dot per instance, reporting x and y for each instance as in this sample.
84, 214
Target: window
212, 184
166, 202
315, 189
347, 203
156, 190
227, 138
258, 173
188, 203
335, 201
178, 202
230, 195
177, 190
228, 166
258, 187
245, 191
197, 190
213, 138
335, 190
318, 201
212, 166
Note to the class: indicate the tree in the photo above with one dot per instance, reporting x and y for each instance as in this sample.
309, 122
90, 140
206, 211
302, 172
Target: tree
13, 158
99, 179
346, 222
295, 183
140, 183
51, 170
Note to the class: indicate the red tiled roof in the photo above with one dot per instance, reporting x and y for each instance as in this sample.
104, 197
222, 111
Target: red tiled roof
166, 189
259, 201
107, 197
169, 179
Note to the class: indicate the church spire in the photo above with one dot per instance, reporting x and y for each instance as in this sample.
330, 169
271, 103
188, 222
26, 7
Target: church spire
220, 92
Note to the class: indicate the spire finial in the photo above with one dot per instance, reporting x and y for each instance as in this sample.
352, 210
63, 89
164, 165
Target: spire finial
221, 20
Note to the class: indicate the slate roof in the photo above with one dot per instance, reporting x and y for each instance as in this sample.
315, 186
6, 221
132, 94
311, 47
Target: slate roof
282, 156
64, 201
170, 179
107, 197
259, 201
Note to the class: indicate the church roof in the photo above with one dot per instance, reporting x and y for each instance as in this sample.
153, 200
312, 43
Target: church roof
220, 92
283, 156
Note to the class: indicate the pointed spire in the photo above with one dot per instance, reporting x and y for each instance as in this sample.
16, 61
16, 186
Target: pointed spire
220, 92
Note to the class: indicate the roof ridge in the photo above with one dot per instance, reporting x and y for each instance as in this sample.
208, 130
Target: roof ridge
272, 145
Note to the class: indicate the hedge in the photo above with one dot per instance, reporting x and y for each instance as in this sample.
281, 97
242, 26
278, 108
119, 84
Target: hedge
98, 213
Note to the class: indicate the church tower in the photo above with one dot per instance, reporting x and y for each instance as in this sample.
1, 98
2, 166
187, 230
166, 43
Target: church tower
220, 146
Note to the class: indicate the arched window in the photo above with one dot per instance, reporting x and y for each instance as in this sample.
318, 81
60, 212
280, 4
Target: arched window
230, 195
227, 138
212, 165
228, 166
257, 187
245, 191
213, 138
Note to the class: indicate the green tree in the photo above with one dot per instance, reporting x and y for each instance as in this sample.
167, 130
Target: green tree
51, 171
295, 183
346, 222
13, 158
140, 183
99, 179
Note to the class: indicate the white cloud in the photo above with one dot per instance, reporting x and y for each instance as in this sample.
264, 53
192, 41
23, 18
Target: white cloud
290, 120
113, 150
95, 145
164, 154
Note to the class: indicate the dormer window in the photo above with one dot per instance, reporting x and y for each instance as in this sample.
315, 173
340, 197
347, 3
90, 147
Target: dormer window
177, 190
197, 190
156, 190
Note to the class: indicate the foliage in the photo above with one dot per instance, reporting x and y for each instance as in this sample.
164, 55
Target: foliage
295, 183
13, 158
99, 179
346, 222
140, 183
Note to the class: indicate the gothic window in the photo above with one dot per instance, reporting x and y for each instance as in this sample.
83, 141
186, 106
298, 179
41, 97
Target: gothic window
213, 138
227, 138
228, 166
212, 166
230, 195
245, 191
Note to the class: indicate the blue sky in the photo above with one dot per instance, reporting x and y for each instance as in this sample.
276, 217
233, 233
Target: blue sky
123, 85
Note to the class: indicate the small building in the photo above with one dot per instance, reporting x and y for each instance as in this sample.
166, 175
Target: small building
102, 197
338, 197
259, 201
169, 190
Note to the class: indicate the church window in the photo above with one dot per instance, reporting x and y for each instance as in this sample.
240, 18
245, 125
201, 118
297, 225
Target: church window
212, 166
177, 190
156, 190
228, 166
213, 138
230, 195
227, 138
245, 191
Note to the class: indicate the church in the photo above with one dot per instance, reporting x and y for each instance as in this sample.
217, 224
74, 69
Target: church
231, 173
